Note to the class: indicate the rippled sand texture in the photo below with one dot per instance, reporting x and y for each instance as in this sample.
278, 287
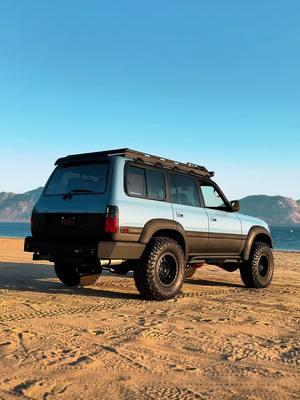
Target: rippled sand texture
217, 340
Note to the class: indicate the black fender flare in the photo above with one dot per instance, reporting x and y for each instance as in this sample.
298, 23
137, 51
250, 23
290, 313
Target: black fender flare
161, 224
256, 232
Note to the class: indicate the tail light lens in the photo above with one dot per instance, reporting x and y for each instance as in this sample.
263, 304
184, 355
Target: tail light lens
112, 219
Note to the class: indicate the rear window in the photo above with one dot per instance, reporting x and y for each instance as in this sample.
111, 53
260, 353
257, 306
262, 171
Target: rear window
78, 179
143, 182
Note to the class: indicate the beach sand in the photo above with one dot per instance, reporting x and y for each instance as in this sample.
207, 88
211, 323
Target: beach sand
217, 340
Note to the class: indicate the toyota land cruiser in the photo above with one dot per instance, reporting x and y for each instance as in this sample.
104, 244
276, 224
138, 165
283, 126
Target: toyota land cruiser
126, 210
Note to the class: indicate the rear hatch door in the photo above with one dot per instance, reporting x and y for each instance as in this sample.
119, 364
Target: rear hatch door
73, 203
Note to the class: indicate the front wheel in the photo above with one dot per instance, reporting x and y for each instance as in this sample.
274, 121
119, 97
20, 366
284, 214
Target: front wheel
76, 275
258, 271
160, 273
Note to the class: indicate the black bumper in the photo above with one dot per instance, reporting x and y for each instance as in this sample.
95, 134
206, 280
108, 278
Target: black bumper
47, 250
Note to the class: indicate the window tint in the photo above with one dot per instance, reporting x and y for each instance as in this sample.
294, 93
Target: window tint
173, 191
84, 178
212, 198
136, 182
184, 191
155, 184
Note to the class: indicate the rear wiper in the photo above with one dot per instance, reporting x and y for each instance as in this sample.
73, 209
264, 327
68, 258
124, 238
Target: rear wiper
74, 191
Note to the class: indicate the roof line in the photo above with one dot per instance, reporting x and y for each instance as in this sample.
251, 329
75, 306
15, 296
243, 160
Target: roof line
138, 156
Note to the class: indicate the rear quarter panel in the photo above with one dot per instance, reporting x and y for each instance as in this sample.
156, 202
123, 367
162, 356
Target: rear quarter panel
134, 211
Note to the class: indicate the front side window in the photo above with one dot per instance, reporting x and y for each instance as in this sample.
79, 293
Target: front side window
184, 191
80, 179
212, 197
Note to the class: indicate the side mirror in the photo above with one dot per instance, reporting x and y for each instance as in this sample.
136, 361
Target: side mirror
235, 205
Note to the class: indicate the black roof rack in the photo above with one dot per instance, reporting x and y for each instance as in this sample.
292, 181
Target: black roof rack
138, 156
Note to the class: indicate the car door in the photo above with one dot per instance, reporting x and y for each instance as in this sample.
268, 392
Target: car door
225, 229
188, 212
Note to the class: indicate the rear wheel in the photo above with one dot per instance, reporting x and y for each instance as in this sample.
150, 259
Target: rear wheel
258, 271
160, 273
77, 275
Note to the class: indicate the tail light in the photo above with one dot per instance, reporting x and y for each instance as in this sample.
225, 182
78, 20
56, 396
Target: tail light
112, 219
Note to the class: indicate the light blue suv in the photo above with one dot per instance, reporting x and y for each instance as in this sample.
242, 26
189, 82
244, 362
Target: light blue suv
126, 210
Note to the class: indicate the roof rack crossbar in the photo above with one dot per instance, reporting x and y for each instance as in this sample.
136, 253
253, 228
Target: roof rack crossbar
172, 164
141, 157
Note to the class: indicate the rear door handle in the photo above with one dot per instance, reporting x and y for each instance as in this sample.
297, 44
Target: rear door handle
213, 219
180, 215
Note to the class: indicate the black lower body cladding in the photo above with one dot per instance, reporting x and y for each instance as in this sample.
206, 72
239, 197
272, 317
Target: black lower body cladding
120, 250
50, 250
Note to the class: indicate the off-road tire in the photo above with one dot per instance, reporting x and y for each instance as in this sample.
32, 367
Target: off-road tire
151, 276
258, 271
189, 271
70, 275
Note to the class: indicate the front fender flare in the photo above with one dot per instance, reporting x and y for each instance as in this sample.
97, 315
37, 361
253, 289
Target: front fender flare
253, 233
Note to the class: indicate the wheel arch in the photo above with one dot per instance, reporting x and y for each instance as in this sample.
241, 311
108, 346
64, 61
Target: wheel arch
256, 234
165, 228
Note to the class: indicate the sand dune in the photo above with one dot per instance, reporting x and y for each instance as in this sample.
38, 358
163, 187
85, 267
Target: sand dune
217, 340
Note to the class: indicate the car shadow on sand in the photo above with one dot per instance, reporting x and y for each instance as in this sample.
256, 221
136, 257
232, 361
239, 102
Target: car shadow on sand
204, 282
41, 278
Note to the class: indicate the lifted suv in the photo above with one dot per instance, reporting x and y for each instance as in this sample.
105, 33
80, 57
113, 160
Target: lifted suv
125, 210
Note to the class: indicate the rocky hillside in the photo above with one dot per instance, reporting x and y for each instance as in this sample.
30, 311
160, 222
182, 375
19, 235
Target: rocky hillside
276, 210
17, 207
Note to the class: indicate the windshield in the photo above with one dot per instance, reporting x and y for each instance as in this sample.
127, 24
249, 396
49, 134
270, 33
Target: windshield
78, 179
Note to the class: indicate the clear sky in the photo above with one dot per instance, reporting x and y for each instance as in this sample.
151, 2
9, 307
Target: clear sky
211, 82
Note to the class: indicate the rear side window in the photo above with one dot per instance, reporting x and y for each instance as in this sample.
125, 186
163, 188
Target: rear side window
136, 181
155, 184
145, 183
80, 179
184, 191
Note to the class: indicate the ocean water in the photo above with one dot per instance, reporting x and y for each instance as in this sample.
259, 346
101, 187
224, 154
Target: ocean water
284, 237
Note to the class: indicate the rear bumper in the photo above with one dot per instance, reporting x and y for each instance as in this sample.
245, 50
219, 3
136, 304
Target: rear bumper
46, 250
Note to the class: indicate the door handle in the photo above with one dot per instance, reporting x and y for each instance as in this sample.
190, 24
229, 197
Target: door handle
180, 215
212, 219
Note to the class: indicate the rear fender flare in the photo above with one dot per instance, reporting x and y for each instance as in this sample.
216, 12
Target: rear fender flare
160, 224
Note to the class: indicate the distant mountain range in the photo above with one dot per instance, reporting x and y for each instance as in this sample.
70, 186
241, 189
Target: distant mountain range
276, 210
17, 207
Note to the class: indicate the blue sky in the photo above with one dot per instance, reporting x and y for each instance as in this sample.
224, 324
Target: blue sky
211, 82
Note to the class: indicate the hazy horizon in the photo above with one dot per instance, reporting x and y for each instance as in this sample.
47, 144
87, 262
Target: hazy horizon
253, 194
214, 83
